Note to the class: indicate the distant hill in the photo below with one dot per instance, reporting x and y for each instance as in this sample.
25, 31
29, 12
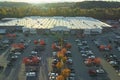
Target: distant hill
13, 4
97, 4
83, 5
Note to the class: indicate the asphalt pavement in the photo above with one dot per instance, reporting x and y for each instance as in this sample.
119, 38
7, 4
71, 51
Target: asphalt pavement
80, 68
108, 68
81, 71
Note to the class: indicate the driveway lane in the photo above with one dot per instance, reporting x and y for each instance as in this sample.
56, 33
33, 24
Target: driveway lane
80, 68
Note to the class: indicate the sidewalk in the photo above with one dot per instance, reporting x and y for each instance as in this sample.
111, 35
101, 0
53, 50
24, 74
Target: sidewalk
42, 74
21, 74
3, 62
110, 70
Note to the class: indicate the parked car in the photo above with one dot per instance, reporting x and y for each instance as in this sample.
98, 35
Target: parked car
118, 48
77, 40
117, 37
52, 76
79, 44
54, 54
14, 57
1, 67
68, 54
84, 42
100, 71
70, 78
72, 74
17, 53
6, 41
31, 75
34, 52
69, 61
10, 63
92, 72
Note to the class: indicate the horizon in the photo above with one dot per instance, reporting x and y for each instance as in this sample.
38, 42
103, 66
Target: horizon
53, 1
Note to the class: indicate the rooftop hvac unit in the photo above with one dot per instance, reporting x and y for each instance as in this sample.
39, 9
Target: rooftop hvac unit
33, 31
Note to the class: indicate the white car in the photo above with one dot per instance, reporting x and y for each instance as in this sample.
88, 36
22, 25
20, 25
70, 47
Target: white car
31, 74
84, 42
79, 44
118, 37
100, 71
118, 48
70, 61
14, 57
113, 62
5, 41
71, 78
17, 53
92, 56
54, 53
84, 55
77, 40
82, 51
89, 52
34, 52
68, 52
72, 74
52, 76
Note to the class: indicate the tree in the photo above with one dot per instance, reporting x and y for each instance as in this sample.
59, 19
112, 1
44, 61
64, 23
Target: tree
42, 42
60, 77
63, 51
97, 61
60, 54
65, 72
64, 59
59, 65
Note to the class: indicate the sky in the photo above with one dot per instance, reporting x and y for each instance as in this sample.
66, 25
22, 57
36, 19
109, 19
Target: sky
50, 1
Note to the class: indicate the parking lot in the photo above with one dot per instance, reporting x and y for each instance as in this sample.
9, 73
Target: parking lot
81, 70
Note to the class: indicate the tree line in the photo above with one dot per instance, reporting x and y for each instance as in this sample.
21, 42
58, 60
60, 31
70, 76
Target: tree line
110, 13
69, 10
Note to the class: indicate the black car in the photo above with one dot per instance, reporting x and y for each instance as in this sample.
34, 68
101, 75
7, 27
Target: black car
10, 63
1, 67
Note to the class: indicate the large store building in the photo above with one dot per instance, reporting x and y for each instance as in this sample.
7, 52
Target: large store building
73, 25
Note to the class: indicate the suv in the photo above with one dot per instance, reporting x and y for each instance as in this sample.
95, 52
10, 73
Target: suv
52, 76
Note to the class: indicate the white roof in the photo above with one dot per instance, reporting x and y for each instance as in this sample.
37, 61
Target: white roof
60, 28
8, 18
51, 22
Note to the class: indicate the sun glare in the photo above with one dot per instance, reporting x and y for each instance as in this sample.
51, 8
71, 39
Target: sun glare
35, 1
44, 1
32, 1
